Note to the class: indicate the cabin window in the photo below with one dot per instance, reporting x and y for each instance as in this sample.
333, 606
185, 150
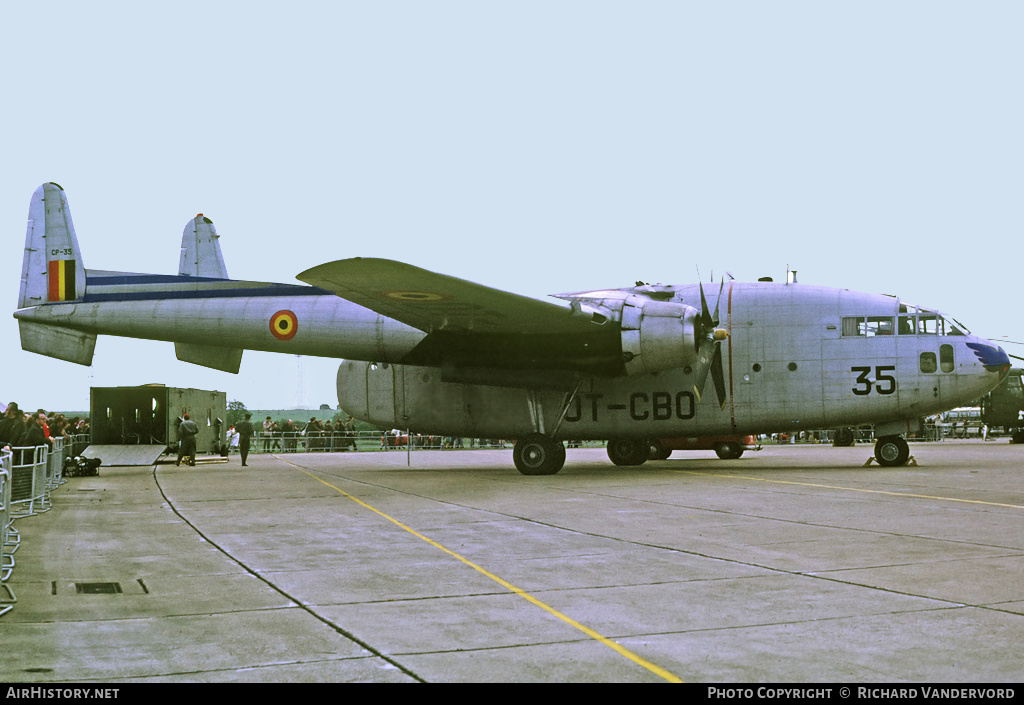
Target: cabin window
928, 362
946, 357
851, 326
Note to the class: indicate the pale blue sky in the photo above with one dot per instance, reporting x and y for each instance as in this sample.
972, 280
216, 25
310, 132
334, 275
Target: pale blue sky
536, 147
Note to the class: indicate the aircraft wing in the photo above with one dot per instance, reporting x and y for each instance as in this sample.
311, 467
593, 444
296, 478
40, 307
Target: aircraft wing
436, 302
473, 326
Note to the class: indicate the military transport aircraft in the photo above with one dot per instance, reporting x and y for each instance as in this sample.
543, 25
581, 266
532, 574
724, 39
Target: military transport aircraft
1004, 404
445, 356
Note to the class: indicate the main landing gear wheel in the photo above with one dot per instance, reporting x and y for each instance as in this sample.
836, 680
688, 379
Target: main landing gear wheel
628, 451
657, 452
729, 450
892, 451
843, 438
535, 454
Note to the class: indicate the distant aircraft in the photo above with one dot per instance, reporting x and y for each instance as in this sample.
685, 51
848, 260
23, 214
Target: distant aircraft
1002, 406
444, 356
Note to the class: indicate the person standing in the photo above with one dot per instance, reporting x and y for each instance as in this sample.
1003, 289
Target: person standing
268, 434
288, 435
12, 426
275, 432
35, 432
187, 432
245, 432
350, 433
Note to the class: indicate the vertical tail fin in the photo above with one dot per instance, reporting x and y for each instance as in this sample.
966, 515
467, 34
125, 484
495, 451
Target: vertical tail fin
52, 270
201, 257
200, 250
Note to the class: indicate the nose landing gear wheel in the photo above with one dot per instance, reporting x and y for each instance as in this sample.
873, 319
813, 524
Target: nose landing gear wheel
892, 451
535, 454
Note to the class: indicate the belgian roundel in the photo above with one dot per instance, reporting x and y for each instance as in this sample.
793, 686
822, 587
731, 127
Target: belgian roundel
284, 325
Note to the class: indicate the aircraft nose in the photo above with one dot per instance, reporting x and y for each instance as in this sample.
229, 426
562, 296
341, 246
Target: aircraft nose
992, 357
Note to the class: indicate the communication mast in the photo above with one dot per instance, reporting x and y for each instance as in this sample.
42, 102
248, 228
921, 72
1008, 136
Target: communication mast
300, 384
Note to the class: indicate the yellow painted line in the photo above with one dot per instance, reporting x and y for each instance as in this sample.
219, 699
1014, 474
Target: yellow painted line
653, 668
850, 489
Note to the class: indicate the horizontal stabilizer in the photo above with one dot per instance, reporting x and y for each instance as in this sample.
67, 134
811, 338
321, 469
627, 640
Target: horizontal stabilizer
61, 343
212, 356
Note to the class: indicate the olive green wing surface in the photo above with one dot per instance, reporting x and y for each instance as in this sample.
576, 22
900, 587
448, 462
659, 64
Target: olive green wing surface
437, 302
471, 325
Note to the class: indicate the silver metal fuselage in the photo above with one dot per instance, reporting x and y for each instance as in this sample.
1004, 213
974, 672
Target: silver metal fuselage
229, 314
787, 366
788, 362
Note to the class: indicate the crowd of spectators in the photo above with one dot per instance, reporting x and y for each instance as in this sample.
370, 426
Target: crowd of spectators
287, 434
22, 429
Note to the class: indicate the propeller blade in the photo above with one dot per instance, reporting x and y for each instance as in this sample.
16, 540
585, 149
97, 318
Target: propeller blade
705, 357
709, 351
717, 303
718, 376
705, 316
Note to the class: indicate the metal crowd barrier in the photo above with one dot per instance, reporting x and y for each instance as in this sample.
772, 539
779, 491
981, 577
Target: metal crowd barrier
335, 441
6, 557
55, 465
299, 442
75, 445
862, 435
29, 490
27, 476
7, 534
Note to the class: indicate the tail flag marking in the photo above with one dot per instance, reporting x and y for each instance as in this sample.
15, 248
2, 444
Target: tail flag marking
61, 280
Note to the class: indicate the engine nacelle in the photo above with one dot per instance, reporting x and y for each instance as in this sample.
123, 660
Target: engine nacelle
657, 335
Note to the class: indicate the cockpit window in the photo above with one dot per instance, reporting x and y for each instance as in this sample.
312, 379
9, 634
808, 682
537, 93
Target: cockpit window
955, 327
868, 326
879, 325
929, 324
912, 320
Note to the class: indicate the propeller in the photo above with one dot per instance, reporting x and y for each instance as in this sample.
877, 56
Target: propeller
1011, 342
709, 349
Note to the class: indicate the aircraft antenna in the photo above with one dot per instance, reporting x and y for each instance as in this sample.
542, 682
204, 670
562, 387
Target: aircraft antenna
300, 384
